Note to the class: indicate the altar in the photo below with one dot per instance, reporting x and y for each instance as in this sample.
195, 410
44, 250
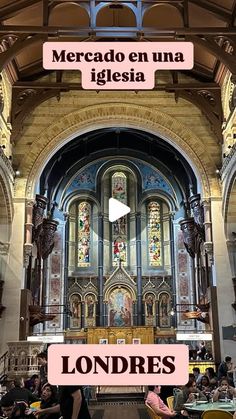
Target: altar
123, 335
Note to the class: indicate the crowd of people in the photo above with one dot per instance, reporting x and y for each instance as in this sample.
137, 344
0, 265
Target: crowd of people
202, 387
36, 398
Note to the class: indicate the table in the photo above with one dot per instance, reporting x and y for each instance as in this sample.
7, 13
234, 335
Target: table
202, 407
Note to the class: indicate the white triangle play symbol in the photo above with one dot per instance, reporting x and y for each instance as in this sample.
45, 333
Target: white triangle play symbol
117, 210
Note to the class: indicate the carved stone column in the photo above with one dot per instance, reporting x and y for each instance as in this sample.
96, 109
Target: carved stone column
139, 269
208, 245
28, 233
2, 307
100, 307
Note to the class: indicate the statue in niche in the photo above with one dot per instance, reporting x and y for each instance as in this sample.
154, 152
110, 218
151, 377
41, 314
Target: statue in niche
90, 306
164, 309
149, 302
75, 309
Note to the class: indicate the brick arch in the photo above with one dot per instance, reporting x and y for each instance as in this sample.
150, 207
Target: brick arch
123, 115
229, 206
6, 208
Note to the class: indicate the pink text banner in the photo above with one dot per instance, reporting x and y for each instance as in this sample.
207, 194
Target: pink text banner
119, 365
118, 65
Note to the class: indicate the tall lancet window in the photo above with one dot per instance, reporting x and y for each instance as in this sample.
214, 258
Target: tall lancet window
119, 227
154, 234
84, 234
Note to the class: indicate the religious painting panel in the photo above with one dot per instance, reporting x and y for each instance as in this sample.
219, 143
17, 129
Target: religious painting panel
75, 310
119, 227
103, 341
164, 309
120, 308
120, 341
84, 234
90, 310
154, 234
150, 311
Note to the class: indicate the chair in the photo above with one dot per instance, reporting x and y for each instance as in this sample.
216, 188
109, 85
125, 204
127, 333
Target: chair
170, 402
151, 412
216, 414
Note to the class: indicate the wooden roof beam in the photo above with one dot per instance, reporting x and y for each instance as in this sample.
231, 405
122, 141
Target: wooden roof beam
11, 9
217, 10
116, 30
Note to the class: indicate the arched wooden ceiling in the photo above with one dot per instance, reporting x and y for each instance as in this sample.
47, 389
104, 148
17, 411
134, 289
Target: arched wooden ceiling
146, 17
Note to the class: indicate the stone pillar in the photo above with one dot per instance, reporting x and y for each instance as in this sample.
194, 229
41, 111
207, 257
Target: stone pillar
100, 313
14, 278
222, 277
28, 246
83, 314
139, 269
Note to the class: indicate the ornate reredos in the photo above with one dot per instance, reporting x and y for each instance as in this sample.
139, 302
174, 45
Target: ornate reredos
120, 278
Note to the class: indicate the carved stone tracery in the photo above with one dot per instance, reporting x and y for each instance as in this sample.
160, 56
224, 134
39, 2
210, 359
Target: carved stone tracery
198, 214
46, 238
189, 233
38, 214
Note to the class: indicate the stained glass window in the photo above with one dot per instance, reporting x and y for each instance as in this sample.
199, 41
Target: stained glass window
154, 234
84, 233
119, 227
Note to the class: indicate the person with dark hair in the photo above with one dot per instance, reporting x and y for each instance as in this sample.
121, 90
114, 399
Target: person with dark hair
49, 406
187, 395
210, 373
43, 367
225, 367
19, 393
14, 410
33, 384
197, 375
205, 386
72, 403
224, 391
202, 351
155, 402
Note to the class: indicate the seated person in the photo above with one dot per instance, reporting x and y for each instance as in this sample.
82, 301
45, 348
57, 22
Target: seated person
14, 410
154, 401
197, 375
20, 393
187, 394
33, 384
224, 391
204, 385
49, 406
210, 373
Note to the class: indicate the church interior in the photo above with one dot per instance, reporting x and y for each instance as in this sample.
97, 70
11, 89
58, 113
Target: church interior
164, 273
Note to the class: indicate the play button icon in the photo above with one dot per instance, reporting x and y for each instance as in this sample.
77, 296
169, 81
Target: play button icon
117, 210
